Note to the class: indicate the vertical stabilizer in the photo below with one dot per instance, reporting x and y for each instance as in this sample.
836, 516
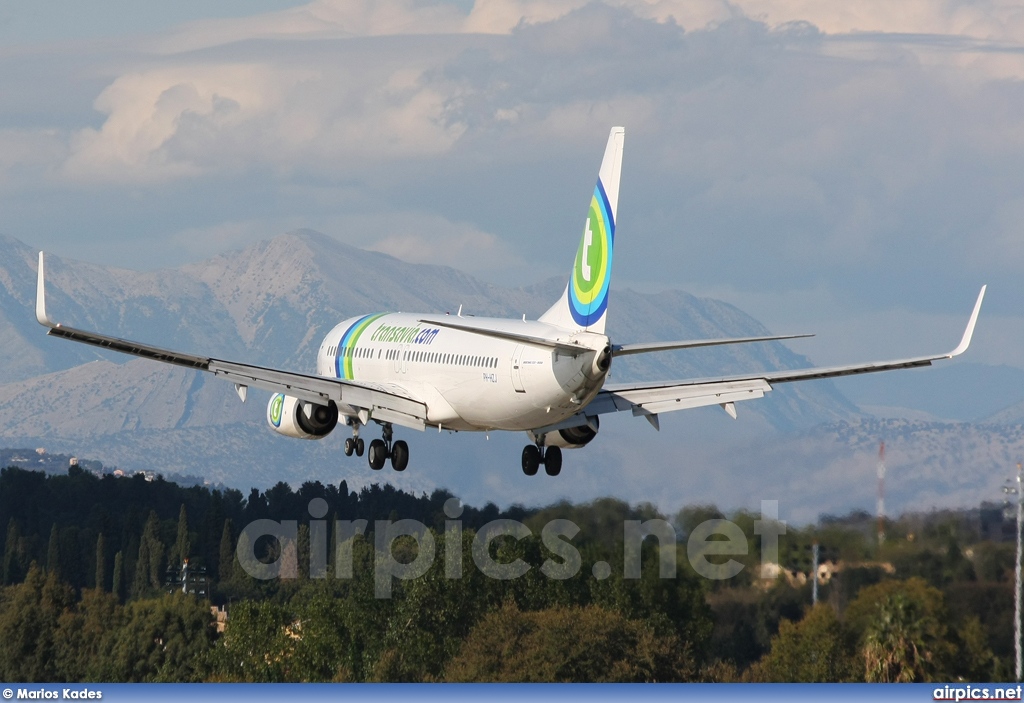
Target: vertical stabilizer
584, 304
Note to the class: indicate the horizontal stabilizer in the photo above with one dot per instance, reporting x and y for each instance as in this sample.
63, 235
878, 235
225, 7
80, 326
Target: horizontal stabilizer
564, 347
625, 349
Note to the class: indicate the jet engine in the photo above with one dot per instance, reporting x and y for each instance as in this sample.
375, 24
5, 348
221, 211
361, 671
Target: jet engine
299, 418
572, 437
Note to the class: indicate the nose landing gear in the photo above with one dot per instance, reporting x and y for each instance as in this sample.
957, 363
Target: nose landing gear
354, 445
534, 455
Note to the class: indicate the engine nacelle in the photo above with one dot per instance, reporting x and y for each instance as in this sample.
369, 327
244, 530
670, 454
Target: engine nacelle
571, 437
299, 418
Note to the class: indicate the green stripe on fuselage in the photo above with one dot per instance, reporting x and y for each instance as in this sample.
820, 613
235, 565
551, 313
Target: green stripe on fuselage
349, 345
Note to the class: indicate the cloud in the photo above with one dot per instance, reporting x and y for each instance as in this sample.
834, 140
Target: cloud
26, 155
774, 149
425, 238
321, 19
191, 119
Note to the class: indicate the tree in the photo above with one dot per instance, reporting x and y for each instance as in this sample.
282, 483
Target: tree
227, 552
53, 552
12, 570
85, 637
562, 644
151, 532
28, 625
817, 649
148, 572
430, 619
140, 584
182, 546
165, 639
256, 646
902, 630
25, 632
117, 588
101, 564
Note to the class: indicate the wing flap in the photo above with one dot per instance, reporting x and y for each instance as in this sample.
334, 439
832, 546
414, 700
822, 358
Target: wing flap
655, 399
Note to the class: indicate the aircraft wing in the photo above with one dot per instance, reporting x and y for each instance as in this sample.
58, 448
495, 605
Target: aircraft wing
649, 399
384, 402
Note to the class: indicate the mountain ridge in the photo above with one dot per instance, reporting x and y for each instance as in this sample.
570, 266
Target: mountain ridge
272, 302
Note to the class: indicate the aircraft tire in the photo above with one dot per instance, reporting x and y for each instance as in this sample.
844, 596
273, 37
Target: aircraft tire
350, 446
377, 455
399, 455
553, 461
531, 459
360, 446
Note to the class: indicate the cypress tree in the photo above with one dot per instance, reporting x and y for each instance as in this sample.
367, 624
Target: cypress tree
140, 584
151, 554
53, 552
118, 589
154, 551
182, 546
101, 564
227, 552
11, 572
302, 551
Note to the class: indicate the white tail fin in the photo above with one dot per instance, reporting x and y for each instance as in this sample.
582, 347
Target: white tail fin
584, 304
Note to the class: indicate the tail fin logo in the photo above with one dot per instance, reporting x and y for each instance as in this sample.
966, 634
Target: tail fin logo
588, 290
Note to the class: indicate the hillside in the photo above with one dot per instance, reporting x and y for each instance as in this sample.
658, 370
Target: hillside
272, 302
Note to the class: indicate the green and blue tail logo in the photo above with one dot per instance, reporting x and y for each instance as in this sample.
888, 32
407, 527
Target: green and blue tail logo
588, 288
585, 301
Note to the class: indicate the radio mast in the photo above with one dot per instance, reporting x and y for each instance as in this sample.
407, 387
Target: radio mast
881, 494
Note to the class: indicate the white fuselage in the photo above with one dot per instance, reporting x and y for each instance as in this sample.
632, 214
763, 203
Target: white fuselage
467, 380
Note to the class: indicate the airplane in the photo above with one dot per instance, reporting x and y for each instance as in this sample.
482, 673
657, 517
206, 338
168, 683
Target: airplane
474, 374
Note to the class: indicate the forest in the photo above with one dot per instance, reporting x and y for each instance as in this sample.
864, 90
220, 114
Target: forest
91, 591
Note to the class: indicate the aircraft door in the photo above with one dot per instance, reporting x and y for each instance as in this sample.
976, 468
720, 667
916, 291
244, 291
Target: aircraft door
517, 362
405, 357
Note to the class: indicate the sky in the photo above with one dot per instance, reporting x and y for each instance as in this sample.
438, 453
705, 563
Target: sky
854, 169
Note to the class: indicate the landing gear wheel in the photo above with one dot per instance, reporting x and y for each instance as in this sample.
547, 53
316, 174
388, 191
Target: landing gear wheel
350, 446
378, 454
360, 446
531, 459
399, 455
553, 461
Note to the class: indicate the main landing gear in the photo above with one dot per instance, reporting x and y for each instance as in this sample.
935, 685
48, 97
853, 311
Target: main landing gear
382, 449
533, 458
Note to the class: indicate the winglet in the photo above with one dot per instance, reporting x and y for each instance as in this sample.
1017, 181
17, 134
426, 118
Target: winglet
41, 315
969, 332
